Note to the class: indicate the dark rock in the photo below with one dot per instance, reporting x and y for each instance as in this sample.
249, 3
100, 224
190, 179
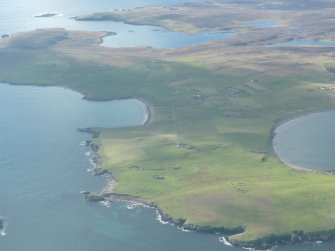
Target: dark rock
93, 197
99, 171
94, 147
2, 224
94, 133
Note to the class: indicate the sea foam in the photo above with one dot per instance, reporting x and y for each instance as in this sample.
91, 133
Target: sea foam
225, 241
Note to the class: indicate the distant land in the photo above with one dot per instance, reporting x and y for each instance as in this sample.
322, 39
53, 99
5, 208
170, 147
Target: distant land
204, 158
48, 14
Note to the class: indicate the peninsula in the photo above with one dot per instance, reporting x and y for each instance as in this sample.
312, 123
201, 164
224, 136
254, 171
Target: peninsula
205, 158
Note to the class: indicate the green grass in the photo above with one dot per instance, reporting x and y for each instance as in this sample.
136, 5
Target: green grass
171, 23
222, 174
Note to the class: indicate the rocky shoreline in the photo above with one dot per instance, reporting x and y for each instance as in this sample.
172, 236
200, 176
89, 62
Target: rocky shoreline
297, 236
108, 195
265, 243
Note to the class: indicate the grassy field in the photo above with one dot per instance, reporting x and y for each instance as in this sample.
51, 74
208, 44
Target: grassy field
206, 156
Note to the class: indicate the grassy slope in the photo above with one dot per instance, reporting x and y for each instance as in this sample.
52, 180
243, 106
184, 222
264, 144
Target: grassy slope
155, 16
223, 175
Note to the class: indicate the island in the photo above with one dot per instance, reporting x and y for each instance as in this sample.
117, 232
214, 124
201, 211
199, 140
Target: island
204, 156
47, 15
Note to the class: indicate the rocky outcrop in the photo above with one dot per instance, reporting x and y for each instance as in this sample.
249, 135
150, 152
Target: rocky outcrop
94, 133
2, 225
93, 196
181, 222
264, 243
99, 171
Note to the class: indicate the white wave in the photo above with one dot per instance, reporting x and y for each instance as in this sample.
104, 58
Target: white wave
83, 143
159, 218
185, 230
225, 241
132, 206
88, 153
93, 164
106, 203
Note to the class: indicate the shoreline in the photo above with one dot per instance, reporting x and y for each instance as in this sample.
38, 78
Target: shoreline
149, 112
269, 241
98, 169
265, 243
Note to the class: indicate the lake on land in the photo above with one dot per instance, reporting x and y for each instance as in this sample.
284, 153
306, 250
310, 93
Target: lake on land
44, 162
308, 142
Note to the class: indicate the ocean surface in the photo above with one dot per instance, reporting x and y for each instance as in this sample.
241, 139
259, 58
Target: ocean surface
18, 16
44, 164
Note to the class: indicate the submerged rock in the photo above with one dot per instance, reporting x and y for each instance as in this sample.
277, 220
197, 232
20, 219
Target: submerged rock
93, 196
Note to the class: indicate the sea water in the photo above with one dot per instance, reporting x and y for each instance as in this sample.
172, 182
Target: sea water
44, 165
43, 168
17, 16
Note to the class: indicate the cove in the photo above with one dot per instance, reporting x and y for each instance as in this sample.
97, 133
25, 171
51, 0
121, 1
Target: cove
44, 166
307, 142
